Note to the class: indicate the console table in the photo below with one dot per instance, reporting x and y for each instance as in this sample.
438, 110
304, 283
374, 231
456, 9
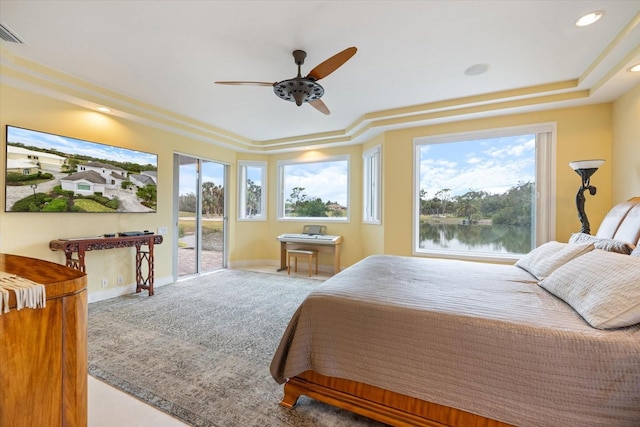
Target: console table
84, 244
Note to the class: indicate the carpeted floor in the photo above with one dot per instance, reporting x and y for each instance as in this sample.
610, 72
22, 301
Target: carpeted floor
200, 350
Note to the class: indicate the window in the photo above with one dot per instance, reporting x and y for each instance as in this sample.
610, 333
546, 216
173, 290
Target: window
317, 190
372, 189
485, 194
83, 187
252, 191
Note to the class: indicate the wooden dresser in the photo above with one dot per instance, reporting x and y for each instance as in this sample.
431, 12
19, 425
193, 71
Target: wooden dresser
43, 352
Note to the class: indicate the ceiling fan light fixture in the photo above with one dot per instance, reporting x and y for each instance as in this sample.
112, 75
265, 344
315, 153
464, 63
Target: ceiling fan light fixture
298, 90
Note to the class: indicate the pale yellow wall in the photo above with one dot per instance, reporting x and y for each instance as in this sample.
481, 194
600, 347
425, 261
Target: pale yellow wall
352, 246
626, 146
251, 238
582, 133
372, 235
29, 233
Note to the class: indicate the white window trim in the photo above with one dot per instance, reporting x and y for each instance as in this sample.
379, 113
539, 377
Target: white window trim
372, 188
282, 197
242, 190
545, 221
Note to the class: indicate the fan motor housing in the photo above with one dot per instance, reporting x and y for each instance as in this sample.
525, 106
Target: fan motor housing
298, 90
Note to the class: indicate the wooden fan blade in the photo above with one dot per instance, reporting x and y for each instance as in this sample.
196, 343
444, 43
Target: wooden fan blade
246, 83
320, 106
330, 65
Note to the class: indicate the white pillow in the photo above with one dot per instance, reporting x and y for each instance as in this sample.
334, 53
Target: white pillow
610, 245
547, 257
603, 287
636, 251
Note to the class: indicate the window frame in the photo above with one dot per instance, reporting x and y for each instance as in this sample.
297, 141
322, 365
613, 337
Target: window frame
242, 190
281, 199
372, 185
545, 158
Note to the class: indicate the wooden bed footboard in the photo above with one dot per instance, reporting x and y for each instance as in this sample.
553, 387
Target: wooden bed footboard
379, 404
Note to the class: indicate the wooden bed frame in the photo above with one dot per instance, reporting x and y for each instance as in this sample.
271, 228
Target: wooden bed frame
379, 404
621, 223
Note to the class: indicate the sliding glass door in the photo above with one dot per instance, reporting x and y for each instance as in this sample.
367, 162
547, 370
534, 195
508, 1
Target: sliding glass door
201, 216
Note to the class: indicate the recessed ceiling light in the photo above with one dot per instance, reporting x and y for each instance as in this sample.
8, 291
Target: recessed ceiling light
103, 109
589, 18
634, 68
476, 69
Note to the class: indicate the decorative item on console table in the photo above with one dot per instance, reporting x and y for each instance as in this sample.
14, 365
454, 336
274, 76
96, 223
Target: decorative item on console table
43, 356
83, 244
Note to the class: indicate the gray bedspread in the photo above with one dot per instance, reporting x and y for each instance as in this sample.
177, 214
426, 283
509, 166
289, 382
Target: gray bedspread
478, 337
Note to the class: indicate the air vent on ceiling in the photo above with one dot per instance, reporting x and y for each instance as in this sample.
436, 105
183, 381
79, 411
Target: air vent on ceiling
9, 36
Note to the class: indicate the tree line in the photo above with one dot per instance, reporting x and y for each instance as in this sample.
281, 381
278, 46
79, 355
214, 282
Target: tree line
74, 159
212, 200
513, 207
301, 205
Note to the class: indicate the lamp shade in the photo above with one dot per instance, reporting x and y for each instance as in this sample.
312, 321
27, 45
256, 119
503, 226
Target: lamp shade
586, 164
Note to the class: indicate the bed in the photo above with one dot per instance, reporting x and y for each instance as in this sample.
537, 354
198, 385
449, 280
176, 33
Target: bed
431, 342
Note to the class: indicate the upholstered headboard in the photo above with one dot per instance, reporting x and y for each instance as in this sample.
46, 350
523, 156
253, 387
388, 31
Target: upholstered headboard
622, 222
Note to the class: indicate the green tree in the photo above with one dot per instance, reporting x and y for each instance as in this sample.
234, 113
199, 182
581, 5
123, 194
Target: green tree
304, 206
187, 203
517, 203
468, 205
443, 197
148, 194
254, 195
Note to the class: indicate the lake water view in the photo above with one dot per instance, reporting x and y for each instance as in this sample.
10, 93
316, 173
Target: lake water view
501, 239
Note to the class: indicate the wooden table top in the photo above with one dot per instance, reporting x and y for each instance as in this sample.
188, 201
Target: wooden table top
58, 279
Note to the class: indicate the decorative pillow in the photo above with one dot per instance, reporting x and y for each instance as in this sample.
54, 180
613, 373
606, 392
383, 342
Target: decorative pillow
603, 287
636, 251
547, 257
609, 245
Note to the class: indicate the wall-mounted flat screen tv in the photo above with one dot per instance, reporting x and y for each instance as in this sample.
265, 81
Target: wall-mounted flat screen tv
54, 173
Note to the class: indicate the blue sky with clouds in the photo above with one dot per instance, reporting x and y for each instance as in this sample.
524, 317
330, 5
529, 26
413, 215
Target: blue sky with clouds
492, 165
326, 180
77, 146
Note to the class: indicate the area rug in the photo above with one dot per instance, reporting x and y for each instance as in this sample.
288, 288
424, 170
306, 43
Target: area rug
200, 350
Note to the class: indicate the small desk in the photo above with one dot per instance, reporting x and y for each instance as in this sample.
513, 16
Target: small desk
320, 243
84, 244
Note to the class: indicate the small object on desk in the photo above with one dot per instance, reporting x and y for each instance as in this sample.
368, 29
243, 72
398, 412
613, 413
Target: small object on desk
130, 233
109, 235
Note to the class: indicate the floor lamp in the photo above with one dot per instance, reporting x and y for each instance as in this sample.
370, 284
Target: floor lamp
585, 168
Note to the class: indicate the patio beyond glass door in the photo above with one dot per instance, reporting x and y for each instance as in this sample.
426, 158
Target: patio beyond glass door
201, 216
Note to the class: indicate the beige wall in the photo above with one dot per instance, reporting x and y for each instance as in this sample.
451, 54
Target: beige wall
29, 233
626, 146
584, 132
350, 231
372, 235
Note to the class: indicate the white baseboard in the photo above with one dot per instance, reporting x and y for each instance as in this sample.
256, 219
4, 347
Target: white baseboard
102, 295
248, 264
253, 263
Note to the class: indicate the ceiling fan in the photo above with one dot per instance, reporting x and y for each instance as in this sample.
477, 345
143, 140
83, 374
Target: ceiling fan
305, 89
